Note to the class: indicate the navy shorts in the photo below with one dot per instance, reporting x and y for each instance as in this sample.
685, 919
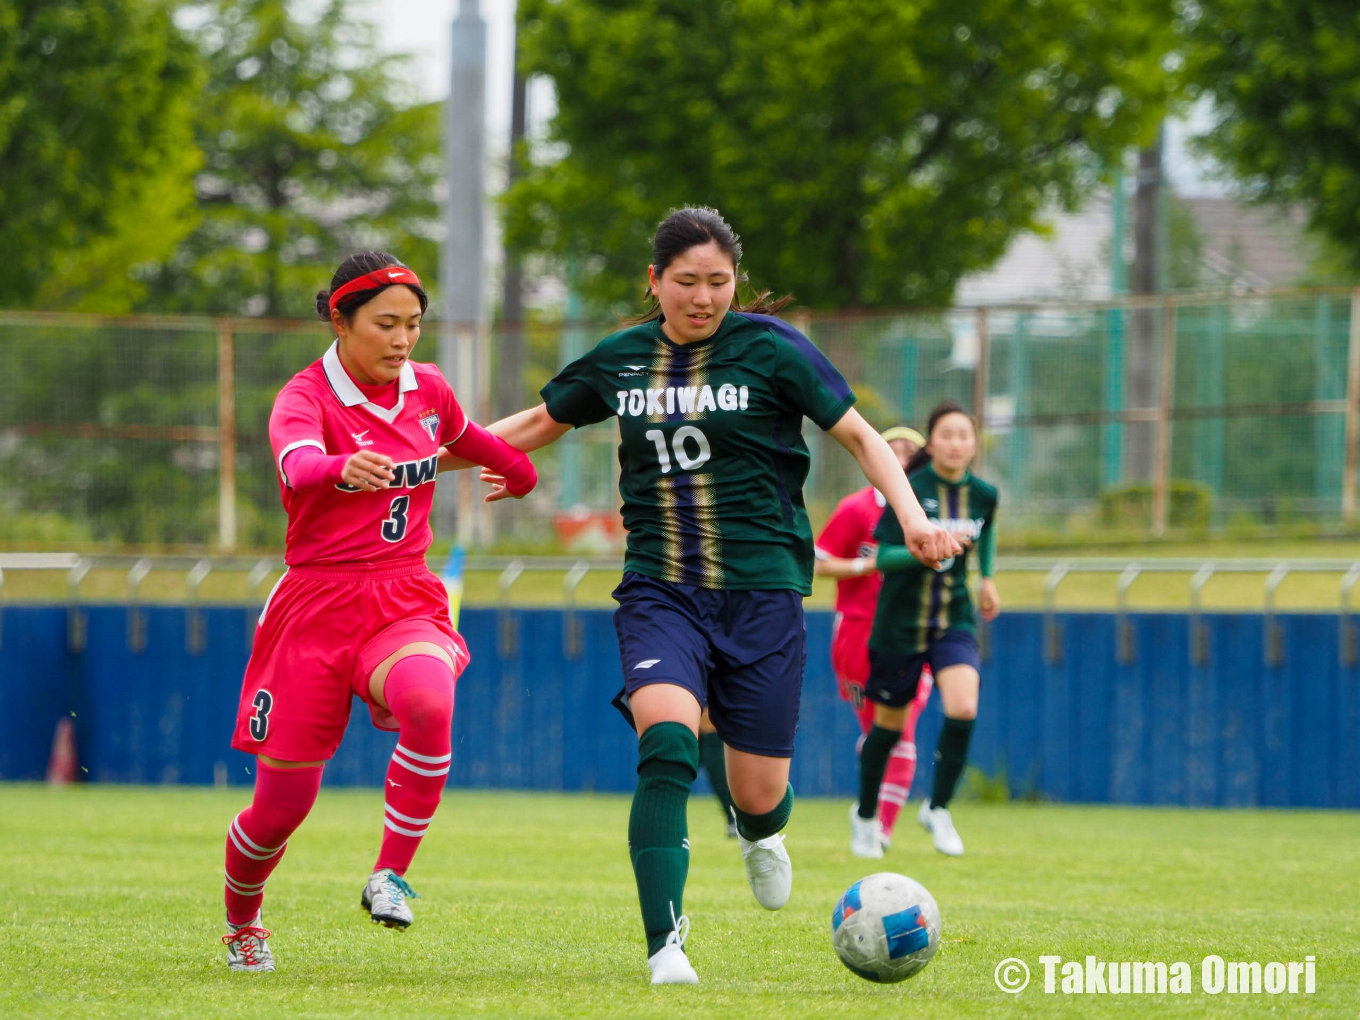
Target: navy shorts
893, 676
740, 653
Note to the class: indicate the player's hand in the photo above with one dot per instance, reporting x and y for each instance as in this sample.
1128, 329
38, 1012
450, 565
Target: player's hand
989, 603
868, 564
931, 544
368, 471
499, 490
526, 477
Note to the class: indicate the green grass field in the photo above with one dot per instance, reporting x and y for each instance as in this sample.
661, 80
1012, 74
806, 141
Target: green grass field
113, 909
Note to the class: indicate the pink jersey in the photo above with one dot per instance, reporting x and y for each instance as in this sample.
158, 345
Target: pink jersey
322, 407
849, 533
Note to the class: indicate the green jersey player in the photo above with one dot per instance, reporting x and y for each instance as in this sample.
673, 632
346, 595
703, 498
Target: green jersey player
925, 616
710, 397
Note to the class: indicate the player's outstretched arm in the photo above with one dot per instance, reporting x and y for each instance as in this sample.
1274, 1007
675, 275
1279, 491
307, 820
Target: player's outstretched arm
528, 430
839, 568
479, 446
929, 544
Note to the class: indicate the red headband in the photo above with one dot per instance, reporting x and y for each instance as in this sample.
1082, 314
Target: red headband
372, 281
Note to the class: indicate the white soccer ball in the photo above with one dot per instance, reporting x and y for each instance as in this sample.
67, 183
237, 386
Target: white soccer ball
886, 927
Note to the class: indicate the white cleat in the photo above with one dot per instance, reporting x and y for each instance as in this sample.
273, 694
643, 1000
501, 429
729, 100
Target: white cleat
246, 949
884, 838
384, 897
768, 869
864, 835
669, 964
940, 825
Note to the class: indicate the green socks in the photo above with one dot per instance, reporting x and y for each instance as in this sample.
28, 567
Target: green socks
873, 762
754, 827
658, 833
714, 761
951, 754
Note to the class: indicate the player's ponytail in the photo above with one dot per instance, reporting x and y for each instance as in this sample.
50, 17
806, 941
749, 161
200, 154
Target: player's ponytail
687, 228
361, 264
921, 457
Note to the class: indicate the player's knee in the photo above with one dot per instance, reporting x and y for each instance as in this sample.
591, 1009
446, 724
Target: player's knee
670, 749
419, 690
426, 708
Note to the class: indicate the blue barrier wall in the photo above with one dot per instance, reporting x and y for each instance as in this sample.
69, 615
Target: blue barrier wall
533, 708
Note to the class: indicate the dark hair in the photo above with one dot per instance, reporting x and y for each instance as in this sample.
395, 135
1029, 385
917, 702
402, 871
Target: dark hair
687, 228
353, 267
921, 457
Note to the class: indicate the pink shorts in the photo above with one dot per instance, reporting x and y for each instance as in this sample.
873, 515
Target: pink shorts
850, 661
321, 634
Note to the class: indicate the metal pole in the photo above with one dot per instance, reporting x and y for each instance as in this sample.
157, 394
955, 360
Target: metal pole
1352, 410
1161, 452
1112, 432
461, 267
226, 439
980, 384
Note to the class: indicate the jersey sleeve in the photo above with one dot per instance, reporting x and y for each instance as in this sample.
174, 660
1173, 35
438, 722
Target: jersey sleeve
840, 535
987, 544
295, 422
453, 420
571, 397
806, 378
893, 554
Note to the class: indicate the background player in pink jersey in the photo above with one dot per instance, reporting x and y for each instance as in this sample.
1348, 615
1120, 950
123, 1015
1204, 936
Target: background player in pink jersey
356, 436
846, 551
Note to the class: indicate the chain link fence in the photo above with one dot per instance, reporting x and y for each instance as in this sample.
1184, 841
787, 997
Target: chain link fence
1164, 414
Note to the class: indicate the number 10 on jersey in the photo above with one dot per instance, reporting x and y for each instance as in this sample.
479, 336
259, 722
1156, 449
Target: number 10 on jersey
683, 435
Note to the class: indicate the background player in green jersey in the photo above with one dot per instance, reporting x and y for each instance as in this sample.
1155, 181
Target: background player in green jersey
925, 617
710, 398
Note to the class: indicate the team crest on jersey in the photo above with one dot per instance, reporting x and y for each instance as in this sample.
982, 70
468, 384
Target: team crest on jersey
430, 422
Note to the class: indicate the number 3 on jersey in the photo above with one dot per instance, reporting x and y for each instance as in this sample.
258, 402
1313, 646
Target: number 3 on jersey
682, 455
394, 527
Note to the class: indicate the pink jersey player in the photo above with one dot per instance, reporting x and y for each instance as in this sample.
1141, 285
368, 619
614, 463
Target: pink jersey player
846, 551
357, 437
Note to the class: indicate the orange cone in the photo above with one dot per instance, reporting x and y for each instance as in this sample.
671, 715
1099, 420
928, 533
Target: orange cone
62, 766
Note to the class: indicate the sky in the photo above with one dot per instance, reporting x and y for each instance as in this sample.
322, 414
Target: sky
422, 29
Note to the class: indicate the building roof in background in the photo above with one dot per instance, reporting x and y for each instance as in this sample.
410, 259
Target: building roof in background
1251, 246
1070, 263
1243, 247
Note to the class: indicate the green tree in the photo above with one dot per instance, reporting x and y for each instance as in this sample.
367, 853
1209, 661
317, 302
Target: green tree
870, 152
313, 149
1284, 77
96, 149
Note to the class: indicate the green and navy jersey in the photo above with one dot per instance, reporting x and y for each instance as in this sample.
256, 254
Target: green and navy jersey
918, 604
711, 449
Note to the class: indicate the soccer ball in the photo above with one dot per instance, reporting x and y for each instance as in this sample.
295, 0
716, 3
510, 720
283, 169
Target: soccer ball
886, 927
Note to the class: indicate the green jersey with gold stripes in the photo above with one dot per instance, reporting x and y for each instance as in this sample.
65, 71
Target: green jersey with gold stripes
917, 604
711, 450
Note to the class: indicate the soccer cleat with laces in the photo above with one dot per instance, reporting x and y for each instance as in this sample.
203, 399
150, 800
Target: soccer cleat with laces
864, 835
768, 869
669, 964
246, 949
384, 898
940, 825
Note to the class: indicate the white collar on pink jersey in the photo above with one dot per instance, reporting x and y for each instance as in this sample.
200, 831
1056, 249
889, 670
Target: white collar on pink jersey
351, 396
